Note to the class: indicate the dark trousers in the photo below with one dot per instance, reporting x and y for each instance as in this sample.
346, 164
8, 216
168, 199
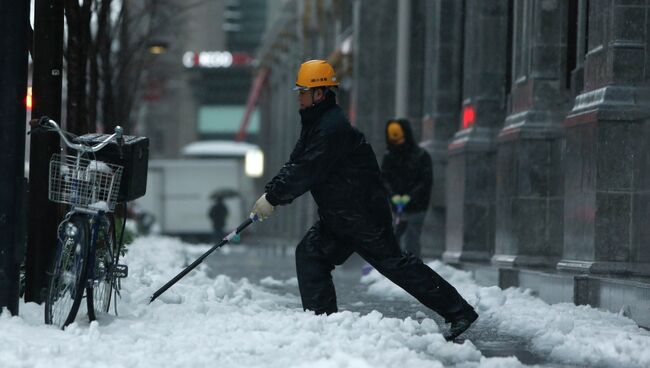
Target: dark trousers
322, 248
408, 232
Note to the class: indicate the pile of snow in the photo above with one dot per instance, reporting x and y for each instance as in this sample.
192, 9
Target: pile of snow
100, 205
204, 322
271, 282
564, 332
99, 166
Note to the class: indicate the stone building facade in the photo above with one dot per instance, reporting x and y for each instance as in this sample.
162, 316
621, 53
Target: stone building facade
536, 115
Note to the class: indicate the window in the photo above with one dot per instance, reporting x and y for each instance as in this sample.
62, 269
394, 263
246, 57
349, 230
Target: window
225, 120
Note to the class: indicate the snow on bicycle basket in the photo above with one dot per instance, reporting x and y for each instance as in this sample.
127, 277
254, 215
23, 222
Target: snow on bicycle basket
84, 183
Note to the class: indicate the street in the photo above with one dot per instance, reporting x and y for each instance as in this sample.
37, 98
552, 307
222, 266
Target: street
241, 308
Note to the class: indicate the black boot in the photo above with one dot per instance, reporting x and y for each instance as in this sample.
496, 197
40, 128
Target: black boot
460, 325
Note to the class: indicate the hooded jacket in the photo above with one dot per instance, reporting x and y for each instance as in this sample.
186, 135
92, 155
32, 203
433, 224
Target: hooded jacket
333, 160
407, 169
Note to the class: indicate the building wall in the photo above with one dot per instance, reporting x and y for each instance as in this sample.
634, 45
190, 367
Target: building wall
552, 169
530, 195
606, 184
168, 114
442, 94
175, 94
471, 183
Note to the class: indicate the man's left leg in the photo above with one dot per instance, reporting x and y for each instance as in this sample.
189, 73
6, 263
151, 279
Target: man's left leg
416, 278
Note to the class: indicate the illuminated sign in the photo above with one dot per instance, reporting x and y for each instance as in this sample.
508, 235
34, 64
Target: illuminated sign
214, 59
468, 116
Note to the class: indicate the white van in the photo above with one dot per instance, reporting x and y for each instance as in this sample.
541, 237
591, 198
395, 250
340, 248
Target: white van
180, 192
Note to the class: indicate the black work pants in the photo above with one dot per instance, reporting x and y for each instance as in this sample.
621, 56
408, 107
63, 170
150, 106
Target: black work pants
322, 248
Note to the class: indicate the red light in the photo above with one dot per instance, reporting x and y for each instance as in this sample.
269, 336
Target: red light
28, 99
468, 116
240, 58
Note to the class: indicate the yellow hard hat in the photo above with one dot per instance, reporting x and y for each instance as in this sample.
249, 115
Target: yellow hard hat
395, 133
315, 73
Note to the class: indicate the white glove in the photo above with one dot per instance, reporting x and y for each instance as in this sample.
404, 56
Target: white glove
262, 208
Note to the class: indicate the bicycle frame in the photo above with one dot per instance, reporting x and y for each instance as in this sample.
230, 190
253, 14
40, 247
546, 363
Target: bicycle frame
95, 219
95, 222
61, 239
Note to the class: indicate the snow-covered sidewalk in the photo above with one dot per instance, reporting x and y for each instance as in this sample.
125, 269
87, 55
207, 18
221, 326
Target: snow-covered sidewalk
564, 332
204, 322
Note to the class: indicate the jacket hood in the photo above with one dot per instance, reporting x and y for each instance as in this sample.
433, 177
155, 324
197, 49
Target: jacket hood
409, 141
311, 113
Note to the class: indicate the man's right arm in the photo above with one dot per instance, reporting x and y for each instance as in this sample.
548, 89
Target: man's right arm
307, 166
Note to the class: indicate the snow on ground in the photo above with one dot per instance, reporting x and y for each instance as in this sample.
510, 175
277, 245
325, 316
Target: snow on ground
564, 332
203, 322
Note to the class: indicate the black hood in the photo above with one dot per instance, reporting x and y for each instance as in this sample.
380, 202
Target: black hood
409, 141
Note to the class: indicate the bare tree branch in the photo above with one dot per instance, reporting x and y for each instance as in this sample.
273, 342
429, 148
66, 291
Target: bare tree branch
106, 69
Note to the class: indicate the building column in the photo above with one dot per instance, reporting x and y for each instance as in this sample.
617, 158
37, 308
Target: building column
375, 32
472, 153
445, 78
529, 189
607, 176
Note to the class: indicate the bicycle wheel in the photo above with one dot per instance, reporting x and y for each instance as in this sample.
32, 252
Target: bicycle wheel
68, 273
98, 293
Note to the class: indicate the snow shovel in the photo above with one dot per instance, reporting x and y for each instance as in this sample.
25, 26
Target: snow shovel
189, 268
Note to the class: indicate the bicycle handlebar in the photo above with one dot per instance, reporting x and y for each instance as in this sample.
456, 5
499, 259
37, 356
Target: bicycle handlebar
80, 147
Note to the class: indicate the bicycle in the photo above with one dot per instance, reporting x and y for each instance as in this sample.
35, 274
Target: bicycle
87, 253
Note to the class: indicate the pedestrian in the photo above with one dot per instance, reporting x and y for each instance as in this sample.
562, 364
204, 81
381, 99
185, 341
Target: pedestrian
218, 214
407, 173
333, 160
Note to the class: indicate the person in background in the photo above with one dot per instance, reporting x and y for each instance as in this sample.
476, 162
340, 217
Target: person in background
406, 170
218, 214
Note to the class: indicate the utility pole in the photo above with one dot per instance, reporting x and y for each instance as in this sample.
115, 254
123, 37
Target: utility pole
403, 58
14, 23
46, 90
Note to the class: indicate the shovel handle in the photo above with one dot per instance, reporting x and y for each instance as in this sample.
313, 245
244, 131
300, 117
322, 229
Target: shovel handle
198, 261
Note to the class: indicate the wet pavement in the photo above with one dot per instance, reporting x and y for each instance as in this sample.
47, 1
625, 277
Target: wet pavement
258, 262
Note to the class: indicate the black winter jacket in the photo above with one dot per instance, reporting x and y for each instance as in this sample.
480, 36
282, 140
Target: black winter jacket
407, 169
332, 160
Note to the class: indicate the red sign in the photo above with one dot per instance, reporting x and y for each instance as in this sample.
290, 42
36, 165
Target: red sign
468, 116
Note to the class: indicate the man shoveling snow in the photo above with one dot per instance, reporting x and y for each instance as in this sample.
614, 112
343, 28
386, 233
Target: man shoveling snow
333, 160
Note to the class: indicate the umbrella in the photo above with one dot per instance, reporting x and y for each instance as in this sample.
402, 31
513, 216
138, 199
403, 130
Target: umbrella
224, 193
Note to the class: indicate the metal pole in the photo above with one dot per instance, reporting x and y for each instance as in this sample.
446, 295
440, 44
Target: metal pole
198, 261
14, 23
46, 90
403, 57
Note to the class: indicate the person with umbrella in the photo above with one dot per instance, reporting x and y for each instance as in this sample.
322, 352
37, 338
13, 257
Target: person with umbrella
218, 212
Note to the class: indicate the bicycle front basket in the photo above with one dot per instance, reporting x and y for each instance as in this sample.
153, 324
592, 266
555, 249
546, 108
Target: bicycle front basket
84, 183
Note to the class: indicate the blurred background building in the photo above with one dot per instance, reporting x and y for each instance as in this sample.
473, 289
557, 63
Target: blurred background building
199, 76
195, 89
